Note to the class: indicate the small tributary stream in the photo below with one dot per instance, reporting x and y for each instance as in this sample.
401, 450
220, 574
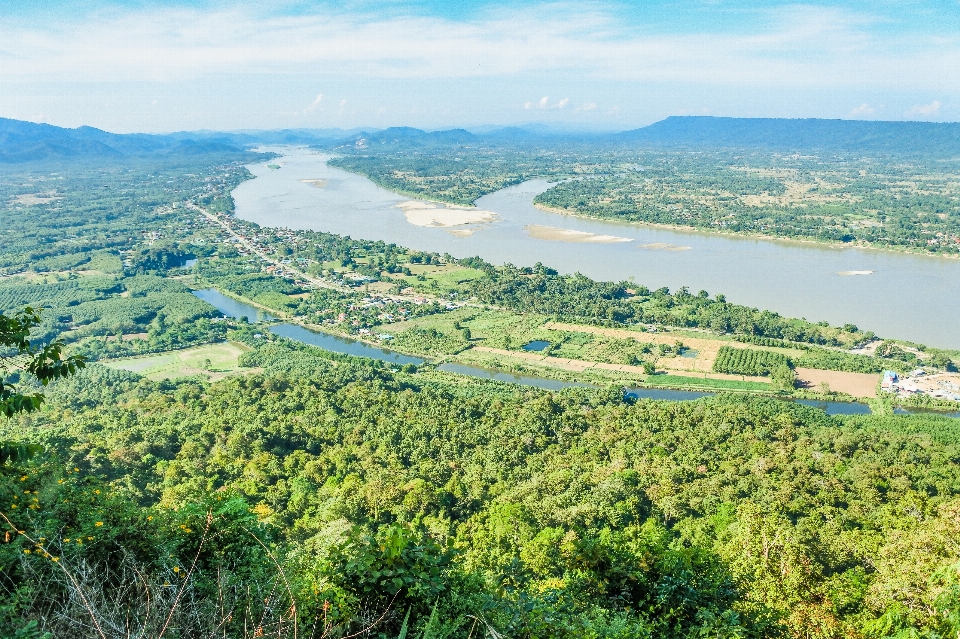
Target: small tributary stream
334, 343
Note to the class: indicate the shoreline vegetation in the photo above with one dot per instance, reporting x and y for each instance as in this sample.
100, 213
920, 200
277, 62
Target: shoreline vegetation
751, 235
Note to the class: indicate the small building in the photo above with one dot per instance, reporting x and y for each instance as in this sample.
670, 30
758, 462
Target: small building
890, 380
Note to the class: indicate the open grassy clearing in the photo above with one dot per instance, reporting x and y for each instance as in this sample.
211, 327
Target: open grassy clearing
595, 376
435, 276
214, 361
682, 381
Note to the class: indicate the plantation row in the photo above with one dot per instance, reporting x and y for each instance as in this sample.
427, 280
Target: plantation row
748, 361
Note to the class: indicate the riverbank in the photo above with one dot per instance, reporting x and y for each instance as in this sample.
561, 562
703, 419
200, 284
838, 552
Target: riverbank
681, 228
907, 296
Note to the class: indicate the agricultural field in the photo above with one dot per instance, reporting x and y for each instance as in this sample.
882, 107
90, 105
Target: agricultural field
212, 361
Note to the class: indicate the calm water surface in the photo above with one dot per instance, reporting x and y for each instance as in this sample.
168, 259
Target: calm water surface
908, 296
343, 345
536, 345
232, 308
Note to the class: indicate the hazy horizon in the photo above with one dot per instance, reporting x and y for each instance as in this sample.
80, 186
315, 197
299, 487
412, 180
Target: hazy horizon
185, 65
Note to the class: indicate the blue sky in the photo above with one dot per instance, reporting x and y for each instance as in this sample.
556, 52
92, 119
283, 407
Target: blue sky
166, 66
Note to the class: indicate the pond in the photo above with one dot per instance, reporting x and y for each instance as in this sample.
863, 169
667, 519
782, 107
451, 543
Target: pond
510, 378
536, 345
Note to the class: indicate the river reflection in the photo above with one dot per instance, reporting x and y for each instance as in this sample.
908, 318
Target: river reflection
907, 296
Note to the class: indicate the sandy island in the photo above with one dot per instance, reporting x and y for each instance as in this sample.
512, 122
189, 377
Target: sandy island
663, 246
848, 273
427, 214
318, 184
566, 235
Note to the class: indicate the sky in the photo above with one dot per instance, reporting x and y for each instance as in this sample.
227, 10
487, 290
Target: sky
161, 66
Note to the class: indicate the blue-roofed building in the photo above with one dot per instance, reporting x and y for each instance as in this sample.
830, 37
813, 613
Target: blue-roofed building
890, 379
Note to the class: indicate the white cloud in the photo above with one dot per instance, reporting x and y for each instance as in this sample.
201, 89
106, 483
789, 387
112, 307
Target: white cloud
863, 109
314, 105
925, 110
801, 46
544, 103
589, 106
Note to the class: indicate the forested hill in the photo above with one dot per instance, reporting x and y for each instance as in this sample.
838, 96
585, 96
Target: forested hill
28, 141
808, 134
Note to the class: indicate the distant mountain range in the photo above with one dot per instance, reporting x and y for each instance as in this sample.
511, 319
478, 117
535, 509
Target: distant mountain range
27, 141
801, 135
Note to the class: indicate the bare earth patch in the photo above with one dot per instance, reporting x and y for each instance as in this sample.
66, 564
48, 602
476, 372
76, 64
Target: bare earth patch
855, 384
566, 235
317, 184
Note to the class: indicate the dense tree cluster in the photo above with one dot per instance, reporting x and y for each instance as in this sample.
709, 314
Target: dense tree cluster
545, 515
543, 290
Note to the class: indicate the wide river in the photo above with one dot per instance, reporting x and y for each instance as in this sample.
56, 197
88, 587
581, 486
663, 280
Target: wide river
906, 296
